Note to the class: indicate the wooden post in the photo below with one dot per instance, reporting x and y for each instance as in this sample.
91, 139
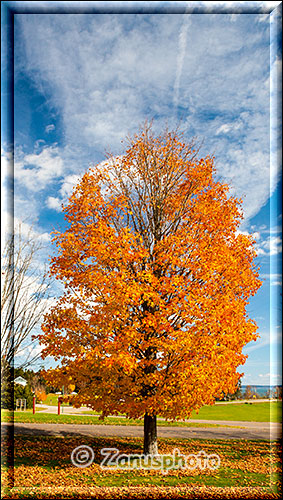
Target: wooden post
59, 405
33, 405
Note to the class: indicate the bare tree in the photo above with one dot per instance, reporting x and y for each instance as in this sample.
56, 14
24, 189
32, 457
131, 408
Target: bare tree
23, 302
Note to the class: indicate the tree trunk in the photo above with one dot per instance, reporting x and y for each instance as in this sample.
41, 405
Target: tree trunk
150, 435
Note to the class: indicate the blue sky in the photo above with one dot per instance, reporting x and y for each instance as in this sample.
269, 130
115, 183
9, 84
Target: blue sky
83, 81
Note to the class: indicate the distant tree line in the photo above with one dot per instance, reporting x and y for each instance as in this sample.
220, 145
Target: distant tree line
250, 392
36, 385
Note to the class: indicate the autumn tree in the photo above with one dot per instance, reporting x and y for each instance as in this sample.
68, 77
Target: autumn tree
157, 279
41, 395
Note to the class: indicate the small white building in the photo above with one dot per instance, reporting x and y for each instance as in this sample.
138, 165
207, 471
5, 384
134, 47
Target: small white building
21, 381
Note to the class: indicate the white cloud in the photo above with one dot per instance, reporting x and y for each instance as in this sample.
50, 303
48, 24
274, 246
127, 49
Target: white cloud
67, 186
262, 378
49, 128
31, 348
36, 171
223, 129
28, 231
106, 74
268, 230
255, 234
270, 378
54, 203
38, 144
271, 339
227, 127
271, 246
257, 345
181, 57
11, 221
6, 195
274, 278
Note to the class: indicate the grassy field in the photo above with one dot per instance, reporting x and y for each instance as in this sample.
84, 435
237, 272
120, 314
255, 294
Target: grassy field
43, 469
252, 412
52, 400
46, 418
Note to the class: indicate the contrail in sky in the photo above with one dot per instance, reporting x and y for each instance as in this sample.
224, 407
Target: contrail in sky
181, 56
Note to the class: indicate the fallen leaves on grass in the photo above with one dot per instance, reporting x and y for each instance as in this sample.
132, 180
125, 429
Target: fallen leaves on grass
43, 469
137, 493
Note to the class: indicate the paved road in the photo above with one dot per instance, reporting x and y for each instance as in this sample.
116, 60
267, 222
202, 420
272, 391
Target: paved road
245, 430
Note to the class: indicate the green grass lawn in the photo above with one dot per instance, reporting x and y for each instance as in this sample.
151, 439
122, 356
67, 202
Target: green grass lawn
254, 412
52, 400
44, 462
251, 412
46, 418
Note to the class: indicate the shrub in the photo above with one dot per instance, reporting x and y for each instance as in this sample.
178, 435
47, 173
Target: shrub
21, 392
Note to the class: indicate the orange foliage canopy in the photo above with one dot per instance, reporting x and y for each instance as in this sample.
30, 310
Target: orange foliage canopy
157, 280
